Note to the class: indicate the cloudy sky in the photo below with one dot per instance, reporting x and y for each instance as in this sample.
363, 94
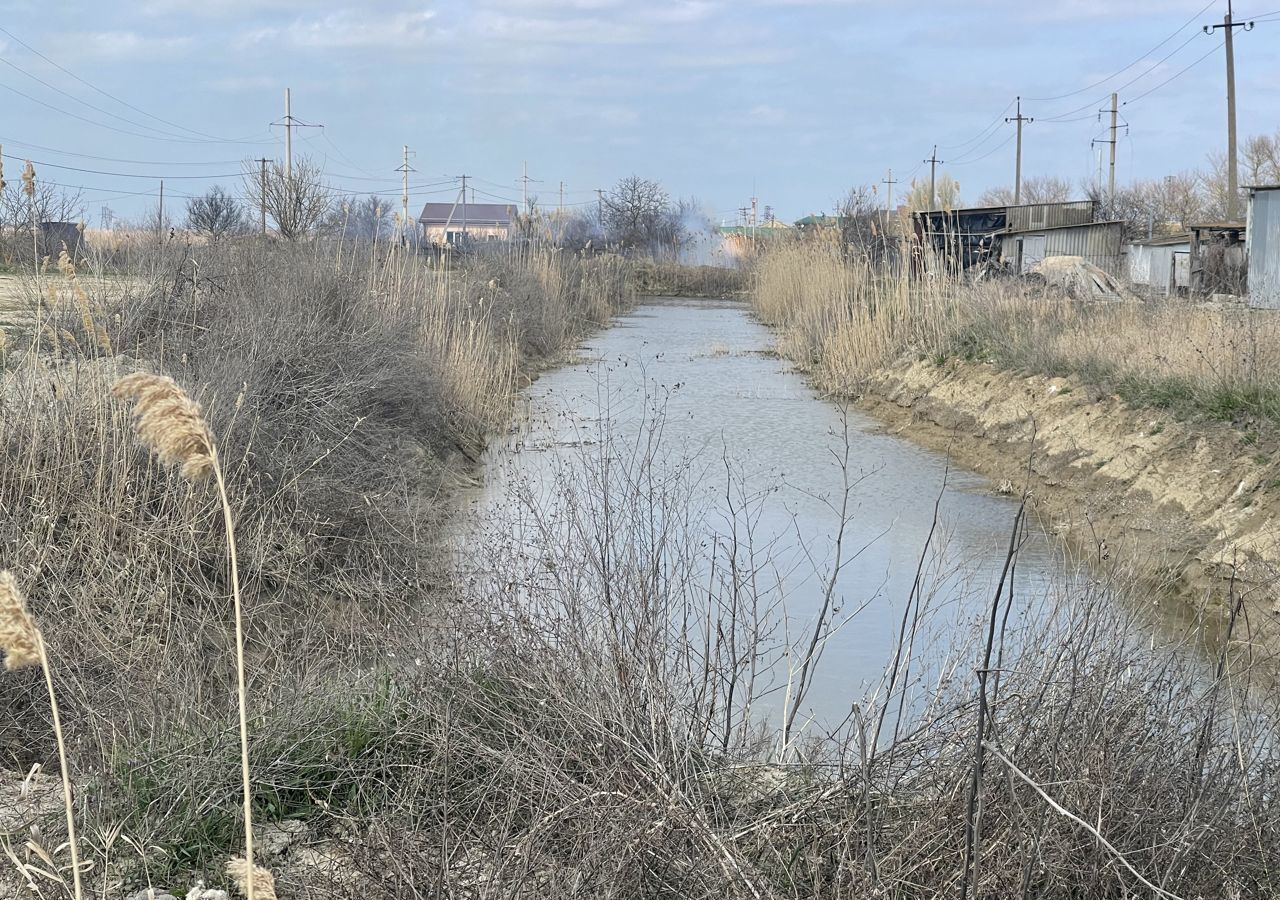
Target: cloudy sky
794, 100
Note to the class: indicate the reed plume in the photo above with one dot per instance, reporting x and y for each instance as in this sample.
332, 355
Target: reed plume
23, 646
259, 883
173, 427
29, 180
19, 637
170, 423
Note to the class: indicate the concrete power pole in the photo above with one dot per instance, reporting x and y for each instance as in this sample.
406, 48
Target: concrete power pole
1228, 27
933, 177
160, 215
600, 206
888, 199
1111, 178
288, 138
1017, 166
464, 206
404, 170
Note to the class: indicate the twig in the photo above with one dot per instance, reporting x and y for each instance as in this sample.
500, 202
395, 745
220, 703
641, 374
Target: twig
1063, 811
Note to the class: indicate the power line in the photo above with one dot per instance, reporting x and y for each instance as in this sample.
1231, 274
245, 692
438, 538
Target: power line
50, 165
998, 147
211, 138
1129, 83
69, 96
990, 128
147, 137
1178, 74
1120, 72
137, 162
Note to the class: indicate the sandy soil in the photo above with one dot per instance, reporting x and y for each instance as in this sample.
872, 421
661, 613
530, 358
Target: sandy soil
1196, 506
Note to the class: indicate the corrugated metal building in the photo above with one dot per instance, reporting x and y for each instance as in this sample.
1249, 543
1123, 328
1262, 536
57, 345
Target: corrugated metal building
1262, 245
1049, 215
1160, 262
962, 238
1098, 242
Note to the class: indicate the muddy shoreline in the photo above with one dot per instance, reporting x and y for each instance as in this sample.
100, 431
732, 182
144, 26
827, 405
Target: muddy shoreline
1192, 508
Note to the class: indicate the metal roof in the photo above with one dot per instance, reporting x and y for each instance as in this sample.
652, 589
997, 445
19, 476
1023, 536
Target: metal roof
472, 213
1061, 227
1165, 240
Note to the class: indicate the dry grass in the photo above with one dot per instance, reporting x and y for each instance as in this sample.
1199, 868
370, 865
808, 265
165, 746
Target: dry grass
347, 399
845, 319
583, 720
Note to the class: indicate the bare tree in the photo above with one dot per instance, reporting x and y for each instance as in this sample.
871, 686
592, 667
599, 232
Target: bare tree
297, 202
216, 214
863, 222
1038, 189
948, 194
367, 219
634, 212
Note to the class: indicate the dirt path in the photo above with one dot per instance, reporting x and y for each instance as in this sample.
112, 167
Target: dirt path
1191, 505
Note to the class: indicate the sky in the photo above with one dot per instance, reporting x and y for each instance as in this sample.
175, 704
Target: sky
791, 101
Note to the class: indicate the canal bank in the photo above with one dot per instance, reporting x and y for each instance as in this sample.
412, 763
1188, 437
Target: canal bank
1191, 506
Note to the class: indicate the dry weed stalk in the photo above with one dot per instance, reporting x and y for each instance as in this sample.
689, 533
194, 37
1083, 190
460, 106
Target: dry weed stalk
173, 427
23, 646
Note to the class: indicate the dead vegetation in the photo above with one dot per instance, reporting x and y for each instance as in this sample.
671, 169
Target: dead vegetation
844, 319
581, 721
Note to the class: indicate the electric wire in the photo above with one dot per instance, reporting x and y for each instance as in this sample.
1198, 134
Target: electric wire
209, 137
1120, 72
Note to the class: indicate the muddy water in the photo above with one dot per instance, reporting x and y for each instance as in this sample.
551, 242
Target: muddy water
698, 378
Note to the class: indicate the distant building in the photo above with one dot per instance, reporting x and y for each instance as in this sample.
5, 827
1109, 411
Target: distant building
1218, 262
1098, 243
1262, 245
1016, 236
1162, 265
451, 223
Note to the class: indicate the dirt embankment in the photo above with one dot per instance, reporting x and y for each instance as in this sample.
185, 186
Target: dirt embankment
1191, 504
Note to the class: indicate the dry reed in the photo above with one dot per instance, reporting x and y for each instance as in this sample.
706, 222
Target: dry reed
23, 645
258, 883
172, 426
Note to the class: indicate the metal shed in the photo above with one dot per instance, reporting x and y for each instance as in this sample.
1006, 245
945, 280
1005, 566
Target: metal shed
1049, 215
1262, 245
1162, 263
1097, 242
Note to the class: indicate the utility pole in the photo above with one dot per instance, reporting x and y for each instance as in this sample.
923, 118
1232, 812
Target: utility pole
464, 206
290, 123
160, 215
525, 179
600, 206
1017, 166
888, 200
405, 169
933, 176
262, 187
1111, 178
1228, 27
288, 138
560, 209
754, 207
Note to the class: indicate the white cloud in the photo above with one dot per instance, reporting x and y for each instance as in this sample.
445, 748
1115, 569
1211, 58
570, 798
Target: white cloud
347, 29
118, 46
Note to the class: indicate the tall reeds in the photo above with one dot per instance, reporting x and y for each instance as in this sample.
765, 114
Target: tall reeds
845, 318
23, 646
172, 426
